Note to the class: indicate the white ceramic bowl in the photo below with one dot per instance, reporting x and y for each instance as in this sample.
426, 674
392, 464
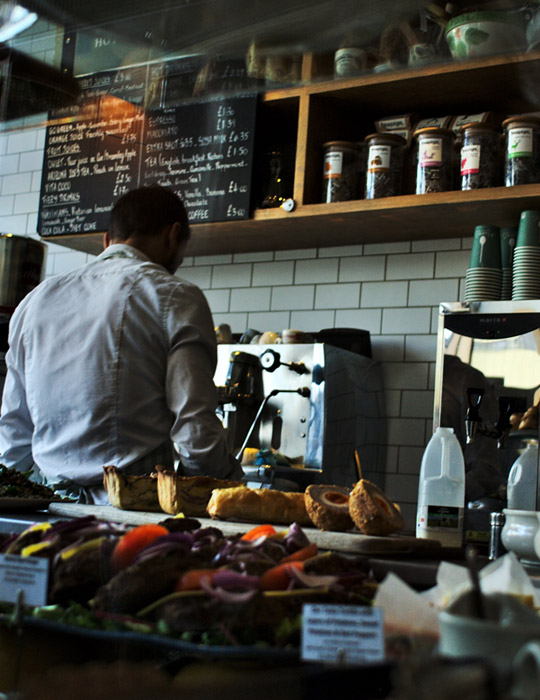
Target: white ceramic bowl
519, 534
508, 627
485, 33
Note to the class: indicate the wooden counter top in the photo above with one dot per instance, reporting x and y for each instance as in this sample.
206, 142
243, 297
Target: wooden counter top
346, 542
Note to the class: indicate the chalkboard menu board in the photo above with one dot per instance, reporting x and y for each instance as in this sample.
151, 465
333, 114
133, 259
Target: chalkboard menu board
203, 152
111, 142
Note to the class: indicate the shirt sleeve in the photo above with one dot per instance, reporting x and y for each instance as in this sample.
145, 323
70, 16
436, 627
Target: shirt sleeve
16, 427
191, 392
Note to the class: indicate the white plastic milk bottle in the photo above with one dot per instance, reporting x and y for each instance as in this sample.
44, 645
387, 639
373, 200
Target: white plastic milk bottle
441, 490
522, 486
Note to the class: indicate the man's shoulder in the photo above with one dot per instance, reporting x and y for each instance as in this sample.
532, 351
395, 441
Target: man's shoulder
169, 281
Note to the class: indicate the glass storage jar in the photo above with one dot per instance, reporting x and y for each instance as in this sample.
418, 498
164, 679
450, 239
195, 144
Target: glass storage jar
384, 172
522, 153
341, 175
434, 167
479, 163
278, 186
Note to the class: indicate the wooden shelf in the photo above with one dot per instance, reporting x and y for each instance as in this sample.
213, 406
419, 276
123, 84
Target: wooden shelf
506, 82
501, 83
405, 218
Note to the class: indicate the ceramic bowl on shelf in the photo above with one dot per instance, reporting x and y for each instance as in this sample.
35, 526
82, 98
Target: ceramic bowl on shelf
519, 534
474, 34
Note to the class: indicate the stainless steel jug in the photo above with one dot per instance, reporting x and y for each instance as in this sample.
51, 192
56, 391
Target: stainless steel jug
21, 269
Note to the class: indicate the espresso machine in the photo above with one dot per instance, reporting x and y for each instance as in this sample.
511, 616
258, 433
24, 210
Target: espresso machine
318, 405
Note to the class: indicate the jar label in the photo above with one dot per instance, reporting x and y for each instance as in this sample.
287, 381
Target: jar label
430, 153
333, 164
470, 159
520, 142
379, 159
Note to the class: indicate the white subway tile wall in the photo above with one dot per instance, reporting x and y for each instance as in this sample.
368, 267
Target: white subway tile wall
391, 290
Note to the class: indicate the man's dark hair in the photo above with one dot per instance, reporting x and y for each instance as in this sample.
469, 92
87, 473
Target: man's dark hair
145, 212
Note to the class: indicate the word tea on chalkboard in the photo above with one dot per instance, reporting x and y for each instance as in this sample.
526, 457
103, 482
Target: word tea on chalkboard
203, 151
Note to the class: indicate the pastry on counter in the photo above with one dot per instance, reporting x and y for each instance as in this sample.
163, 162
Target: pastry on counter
259, 506
328, 507
188, 494
372, 512
131, 492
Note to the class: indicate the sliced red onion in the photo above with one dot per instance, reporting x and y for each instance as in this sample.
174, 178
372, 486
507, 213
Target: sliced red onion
238, 550
167, 543
224, 595
311, 580
295, 538
226, 578
63, 527
206, 535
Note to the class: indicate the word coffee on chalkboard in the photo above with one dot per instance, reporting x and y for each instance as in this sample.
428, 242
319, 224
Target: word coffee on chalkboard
203, 151
92, 156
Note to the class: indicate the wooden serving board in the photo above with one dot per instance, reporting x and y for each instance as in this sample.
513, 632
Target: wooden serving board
347, 542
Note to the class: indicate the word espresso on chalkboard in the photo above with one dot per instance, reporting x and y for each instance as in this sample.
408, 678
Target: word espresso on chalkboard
203, 151
108, 144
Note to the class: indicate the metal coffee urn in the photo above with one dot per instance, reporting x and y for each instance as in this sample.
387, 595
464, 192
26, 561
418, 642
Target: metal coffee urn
319, 405
21, 269
487, 375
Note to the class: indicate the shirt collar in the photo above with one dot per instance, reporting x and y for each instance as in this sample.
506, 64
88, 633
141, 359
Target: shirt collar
121, 250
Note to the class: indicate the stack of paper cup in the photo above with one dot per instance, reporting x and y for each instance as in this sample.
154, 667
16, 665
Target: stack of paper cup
483, 279
508, 244
526, 263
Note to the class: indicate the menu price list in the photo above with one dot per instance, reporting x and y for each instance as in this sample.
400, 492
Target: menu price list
203, 151
88, 165
109, 144
92, 154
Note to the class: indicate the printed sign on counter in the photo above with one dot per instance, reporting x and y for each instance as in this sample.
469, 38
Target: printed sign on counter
342, 634
26, 574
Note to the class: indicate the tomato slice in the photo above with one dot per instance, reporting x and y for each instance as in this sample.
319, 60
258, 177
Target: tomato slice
259, 531
130, 544
278, 577
302, 554
191, 580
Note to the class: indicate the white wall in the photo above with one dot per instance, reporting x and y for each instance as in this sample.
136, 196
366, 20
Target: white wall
391, 290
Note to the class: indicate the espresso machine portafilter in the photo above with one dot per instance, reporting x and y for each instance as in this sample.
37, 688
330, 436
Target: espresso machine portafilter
240, 398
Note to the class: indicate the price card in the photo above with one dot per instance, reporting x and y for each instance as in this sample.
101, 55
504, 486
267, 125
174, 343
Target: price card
28, 574
342, 634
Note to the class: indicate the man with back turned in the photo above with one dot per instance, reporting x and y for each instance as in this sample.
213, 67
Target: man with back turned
114, 363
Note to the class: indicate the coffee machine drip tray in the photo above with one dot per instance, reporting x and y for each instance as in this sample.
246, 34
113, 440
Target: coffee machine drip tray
313, 403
